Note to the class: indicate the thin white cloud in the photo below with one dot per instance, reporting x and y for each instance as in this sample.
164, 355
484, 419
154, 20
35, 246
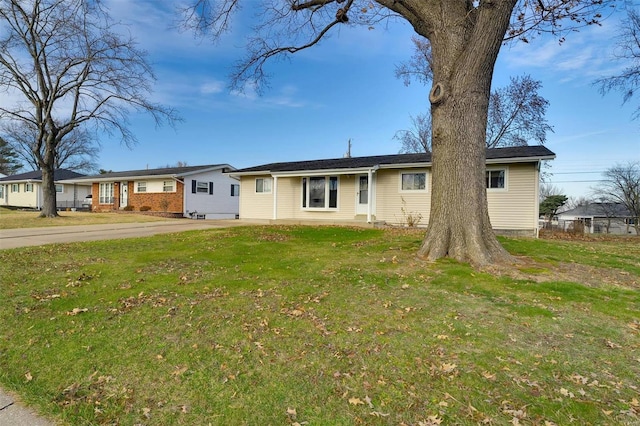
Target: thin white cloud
583, 56
212, 87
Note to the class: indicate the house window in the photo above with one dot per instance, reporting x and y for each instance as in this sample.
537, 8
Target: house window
496, 179
141, 186
28, 187
106, 193
15, 187
202, 187
263, 185
59, 188
413, 181
235, 190
167, 186
320, 192
1, 191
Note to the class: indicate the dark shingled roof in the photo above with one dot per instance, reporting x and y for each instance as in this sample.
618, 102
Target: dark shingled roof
58, 174
153, 172
533, 152
599, 210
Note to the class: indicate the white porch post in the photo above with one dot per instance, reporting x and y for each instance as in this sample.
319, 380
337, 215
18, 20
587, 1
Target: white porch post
369, 194
275, 197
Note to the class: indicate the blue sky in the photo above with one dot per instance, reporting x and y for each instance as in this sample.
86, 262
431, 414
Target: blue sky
345, 89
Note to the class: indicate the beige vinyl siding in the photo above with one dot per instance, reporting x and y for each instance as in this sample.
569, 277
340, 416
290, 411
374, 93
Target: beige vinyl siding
253, 205
515, 208
389, 197
22, 198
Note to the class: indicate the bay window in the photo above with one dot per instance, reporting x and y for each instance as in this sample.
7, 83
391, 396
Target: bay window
320, 192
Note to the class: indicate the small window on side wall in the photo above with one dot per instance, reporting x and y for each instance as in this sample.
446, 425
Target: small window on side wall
141, 187
59, 188
263, 185
414, 181
202, 187
235, 190
496, 178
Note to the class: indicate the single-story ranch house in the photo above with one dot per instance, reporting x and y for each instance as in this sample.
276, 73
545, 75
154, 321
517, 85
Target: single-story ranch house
199, 192
390, 189
25, 190
596, 218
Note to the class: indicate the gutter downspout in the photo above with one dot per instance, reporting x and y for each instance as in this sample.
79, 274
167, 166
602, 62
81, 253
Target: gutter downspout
536, 209
275, 198
370, 173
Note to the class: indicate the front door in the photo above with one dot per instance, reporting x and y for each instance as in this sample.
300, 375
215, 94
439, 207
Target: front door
124, 194
362, 194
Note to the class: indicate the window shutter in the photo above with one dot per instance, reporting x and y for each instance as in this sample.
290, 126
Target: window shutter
210, 188
193, 186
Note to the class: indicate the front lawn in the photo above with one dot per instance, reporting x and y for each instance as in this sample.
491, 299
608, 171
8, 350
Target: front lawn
11, 219
319, 326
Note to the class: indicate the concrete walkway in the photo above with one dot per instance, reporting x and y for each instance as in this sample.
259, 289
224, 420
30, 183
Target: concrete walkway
12, 413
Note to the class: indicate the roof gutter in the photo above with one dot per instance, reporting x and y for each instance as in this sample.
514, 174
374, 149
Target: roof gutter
346, 171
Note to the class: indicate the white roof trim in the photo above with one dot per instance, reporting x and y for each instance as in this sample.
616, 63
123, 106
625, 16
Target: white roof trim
357, 170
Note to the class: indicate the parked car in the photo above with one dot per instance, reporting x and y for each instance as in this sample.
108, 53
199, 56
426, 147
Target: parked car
86, 203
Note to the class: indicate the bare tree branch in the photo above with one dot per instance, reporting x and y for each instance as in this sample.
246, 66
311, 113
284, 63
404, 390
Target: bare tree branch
627, 51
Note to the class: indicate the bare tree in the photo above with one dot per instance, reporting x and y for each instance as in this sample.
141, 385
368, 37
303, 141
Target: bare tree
73, 69
627, 51
547, 190
419, 66
77, 151
574, 202
418, 138
517, 113
621, 184
465, 38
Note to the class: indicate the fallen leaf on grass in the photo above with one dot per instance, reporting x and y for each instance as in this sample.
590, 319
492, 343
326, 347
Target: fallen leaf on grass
448, 367
28, 376
612, 345
431, 421
76, 311
355, 401
489, 376
379, 414
565, 392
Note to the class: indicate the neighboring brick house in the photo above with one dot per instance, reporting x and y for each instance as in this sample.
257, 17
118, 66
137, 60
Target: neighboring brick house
193, 191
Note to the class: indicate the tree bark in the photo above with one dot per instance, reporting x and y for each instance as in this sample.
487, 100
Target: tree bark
47, 166
48, 192
465, 48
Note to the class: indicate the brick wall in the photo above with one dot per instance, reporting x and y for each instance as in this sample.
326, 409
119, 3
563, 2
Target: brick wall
136, 200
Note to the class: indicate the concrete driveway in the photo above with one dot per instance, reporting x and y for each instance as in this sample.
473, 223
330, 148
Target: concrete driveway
12, 238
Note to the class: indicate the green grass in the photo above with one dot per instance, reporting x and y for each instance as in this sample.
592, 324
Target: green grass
325, 325
12, 219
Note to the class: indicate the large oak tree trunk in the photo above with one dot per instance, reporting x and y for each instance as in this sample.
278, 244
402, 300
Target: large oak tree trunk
459, 225
465, 46
47, 166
